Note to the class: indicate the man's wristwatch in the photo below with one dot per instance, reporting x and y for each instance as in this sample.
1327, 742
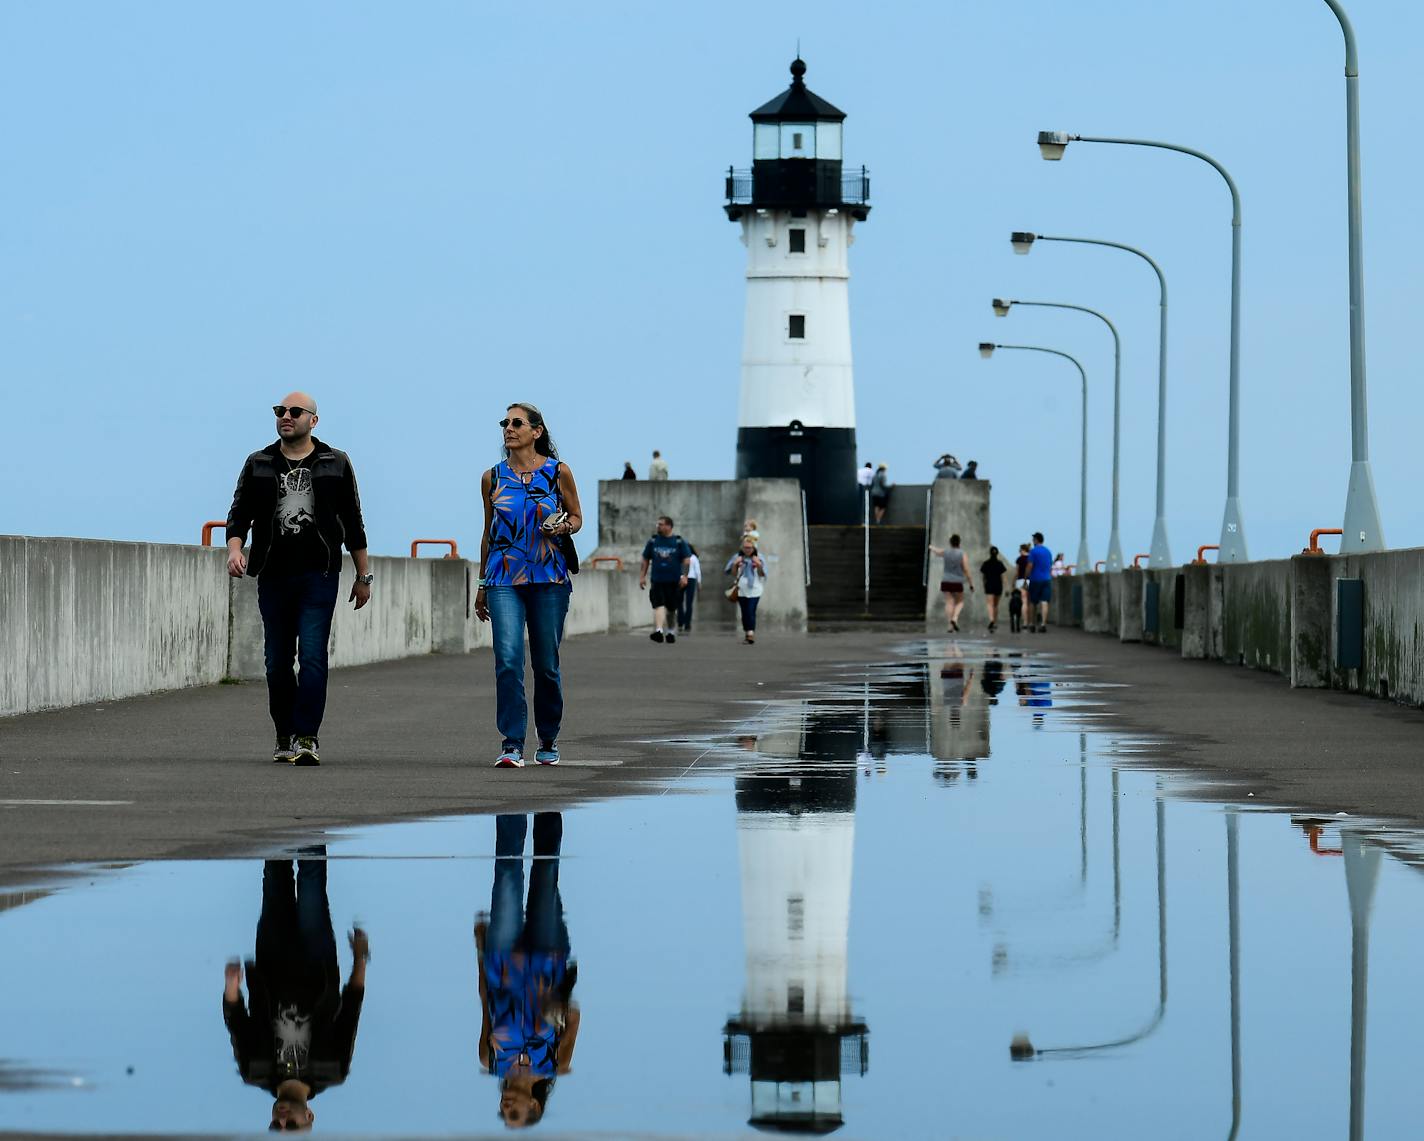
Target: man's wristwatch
365, 579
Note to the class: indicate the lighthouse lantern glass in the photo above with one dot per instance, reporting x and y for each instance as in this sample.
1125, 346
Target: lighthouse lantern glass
798, 140
766, 141
828, 140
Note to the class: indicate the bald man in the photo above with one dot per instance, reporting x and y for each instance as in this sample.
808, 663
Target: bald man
297, 498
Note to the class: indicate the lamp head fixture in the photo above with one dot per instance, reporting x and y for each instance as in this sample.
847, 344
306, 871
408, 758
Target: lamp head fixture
1052, 144
1022, 241
1001, 307
986, 349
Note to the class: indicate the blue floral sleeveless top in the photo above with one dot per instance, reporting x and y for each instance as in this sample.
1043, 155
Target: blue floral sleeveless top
520, 554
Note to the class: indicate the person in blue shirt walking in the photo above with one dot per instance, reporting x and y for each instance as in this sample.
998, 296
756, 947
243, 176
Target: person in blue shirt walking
530, 502
1040, 583
669, 559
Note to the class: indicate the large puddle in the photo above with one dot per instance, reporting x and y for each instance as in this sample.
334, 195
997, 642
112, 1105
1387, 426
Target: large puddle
938, 898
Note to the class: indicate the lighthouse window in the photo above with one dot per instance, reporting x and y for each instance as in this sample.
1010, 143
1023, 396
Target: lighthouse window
796, 143
798, 240
796, 327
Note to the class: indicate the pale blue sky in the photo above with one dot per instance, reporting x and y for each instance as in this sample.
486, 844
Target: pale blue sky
421, 212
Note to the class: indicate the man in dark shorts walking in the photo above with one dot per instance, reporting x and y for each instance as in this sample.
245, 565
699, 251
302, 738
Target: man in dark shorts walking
297, 498
1040, 584
669, 558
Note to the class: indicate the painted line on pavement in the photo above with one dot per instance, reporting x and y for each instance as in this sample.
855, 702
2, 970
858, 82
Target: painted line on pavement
62, 803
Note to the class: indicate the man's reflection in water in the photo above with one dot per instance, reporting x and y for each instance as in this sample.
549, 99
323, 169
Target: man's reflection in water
526, 974
295, 1036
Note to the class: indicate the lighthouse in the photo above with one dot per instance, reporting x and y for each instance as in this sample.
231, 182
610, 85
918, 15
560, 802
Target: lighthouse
797, 206
796, 1033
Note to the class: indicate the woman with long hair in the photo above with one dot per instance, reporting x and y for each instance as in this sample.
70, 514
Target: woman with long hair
531, 503
527, 973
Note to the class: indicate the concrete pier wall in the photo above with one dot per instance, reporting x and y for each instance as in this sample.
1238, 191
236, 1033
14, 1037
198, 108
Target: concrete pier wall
710, 515
85, 620
1280, 615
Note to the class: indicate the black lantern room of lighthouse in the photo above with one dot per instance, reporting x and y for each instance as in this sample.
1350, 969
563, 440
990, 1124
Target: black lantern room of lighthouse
797, 168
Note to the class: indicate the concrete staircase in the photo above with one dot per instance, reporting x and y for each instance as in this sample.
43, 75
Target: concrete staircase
837, 590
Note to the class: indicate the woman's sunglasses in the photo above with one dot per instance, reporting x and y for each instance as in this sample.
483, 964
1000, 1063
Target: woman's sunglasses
280, 410
516, 422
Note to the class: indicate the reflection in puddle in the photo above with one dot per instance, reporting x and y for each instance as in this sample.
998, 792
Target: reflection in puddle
952, 853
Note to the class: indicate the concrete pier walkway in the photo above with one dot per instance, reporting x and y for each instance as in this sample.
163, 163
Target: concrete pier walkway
188, 774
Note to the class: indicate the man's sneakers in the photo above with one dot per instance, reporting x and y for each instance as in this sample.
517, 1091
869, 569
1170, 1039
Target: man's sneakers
671, 637
656, 635
510, 757
283, 754
663, 636
547, 753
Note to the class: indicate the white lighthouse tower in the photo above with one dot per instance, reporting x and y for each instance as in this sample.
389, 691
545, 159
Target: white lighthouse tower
796, 1033
797, 206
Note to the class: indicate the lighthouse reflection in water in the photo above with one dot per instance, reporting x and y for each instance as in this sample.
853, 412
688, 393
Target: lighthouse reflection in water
798, 1033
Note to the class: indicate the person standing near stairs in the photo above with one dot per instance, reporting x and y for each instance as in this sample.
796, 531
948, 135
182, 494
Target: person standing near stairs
952, 581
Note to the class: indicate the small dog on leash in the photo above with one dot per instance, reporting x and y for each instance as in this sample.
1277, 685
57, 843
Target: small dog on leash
1015, 612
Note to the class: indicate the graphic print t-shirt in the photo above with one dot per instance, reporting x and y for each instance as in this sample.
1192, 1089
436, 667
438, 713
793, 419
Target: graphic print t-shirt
665, 554
297, 547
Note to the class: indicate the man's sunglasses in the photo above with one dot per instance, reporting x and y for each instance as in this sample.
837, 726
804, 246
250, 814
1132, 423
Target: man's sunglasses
517, 422
280, 410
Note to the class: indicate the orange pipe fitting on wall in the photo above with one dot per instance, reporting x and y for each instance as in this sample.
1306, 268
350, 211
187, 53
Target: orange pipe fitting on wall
208, 529
1137, 560
1314, 548
416, 543
614, 559
1200, 560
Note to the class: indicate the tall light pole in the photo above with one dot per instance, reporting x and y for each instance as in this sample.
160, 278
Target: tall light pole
986, 350
1051, 145
1001, 309
1160, 552
1363, 531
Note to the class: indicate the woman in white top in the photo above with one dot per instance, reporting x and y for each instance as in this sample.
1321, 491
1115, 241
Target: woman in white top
689, 592
750, 570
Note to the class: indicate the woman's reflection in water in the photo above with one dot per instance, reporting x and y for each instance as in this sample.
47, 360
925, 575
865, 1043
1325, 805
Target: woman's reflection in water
526, 974
295, 1035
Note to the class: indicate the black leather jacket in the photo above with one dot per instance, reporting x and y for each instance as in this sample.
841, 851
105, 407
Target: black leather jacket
338, 504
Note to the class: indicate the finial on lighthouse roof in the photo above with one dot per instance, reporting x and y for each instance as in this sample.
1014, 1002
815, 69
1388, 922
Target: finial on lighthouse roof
798, 69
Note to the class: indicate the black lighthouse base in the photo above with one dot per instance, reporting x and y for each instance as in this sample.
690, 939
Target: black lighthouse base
823, 459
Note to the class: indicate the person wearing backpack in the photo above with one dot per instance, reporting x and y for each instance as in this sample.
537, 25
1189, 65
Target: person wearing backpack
526, 563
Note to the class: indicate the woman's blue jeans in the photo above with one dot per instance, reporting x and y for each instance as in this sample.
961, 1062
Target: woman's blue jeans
539, 608
749, 608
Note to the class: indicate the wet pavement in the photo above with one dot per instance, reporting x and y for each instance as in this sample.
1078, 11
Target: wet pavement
939, 896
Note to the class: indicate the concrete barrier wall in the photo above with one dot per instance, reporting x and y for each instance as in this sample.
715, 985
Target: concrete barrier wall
1256, 615
709, 514
84, 620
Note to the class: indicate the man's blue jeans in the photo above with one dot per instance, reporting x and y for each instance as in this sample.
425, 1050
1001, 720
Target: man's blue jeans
296, 620
540, 608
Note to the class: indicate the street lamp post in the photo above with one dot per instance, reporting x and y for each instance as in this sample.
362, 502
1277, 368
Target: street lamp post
1363, 531
1001, 309
986, 350
1160, 551
1051, 145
